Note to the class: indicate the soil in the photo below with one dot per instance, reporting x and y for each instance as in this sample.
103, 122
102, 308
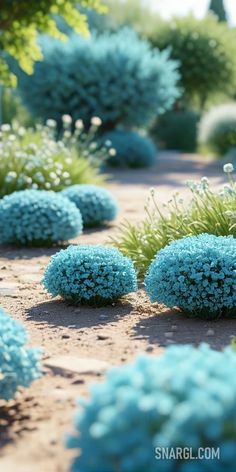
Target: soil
33, 426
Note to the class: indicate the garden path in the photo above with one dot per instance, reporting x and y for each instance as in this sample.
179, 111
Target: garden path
32, 431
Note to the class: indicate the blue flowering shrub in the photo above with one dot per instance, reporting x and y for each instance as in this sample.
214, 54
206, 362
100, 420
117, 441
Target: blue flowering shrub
96, 204
132, 149
19, 365
183, 398
38, 217
94, 275
197, 274
115, 76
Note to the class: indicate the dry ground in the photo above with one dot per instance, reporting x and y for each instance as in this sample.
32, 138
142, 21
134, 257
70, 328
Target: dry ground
32, 428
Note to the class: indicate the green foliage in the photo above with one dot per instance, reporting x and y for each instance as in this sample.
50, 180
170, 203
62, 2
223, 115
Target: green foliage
13, 109
217, 129
206, 50
208, 212
131, 13
217, 7
34, 159
176, 129
21, 20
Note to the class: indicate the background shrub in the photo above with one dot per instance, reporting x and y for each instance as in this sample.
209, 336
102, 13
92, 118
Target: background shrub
97, 205
182, 398
176, 129
19, 365
206, 51
95, 275
38, 217
132, 149
197, 274
34, 159
116, 76
217, 129
208, 212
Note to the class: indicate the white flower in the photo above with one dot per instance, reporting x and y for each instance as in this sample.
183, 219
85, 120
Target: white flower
96, 121
112, 152
66, 119
67, 134
51, 123
204, 183
6, 128
228, 168
79, 124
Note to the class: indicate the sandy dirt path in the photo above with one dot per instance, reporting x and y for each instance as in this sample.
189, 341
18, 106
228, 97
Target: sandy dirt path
32, 429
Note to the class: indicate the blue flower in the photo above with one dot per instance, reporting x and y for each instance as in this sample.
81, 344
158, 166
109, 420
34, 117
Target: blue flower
19, 366
183, 398
95, 275
38, 217
197, 274
132, 149
96, 204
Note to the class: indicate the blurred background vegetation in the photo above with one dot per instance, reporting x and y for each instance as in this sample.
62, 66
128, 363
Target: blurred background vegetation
205, 51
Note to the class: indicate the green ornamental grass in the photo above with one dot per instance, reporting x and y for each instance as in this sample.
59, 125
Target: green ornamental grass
41, 159
208, 212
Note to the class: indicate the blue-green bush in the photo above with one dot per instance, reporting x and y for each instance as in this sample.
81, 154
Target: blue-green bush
132, 149
94, 275
197, 274
183, 398
97, 205
115, 76
19, 365
38, 218
217, 129
176, 129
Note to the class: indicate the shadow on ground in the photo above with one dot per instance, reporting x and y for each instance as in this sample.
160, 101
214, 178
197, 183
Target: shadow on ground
172, 327
57, 313
11, 252
167, 170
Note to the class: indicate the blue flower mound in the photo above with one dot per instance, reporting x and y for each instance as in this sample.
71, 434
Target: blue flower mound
38, 217
19, 366
95, 275
96, 204
185, 397
197, 274
132, 149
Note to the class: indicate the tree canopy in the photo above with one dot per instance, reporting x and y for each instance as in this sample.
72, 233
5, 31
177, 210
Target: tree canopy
217, 7
20, 21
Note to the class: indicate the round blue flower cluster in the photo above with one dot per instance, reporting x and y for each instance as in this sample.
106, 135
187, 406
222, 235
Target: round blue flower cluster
19, 366
95, 275
96, 204
132, 149
183, 398
38, 217
197, 274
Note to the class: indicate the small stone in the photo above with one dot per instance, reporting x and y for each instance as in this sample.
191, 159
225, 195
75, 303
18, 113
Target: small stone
64, 365
65, 336
149, 348
102, 337
210, 332
3, 268
77, 310
173, 328
103, 317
